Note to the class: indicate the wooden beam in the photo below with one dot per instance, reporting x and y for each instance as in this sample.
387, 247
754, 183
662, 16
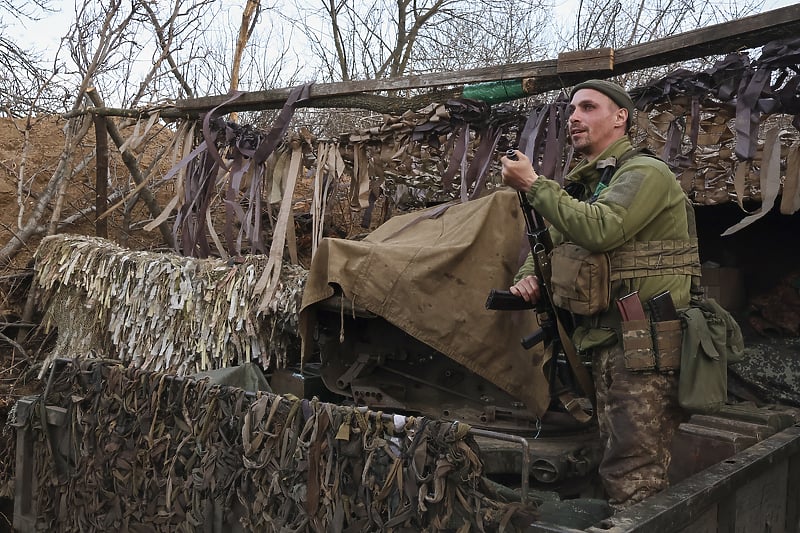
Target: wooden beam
748, 32
741, 34
101, 175
596, 60
274, 98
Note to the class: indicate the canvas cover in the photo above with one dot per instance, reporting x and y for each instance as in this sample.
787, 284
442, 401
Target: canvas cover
429, 273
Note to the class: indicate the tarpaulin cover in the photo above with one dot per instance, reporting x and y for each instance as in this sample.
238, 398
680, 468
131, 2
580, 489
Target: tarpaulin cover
429, 273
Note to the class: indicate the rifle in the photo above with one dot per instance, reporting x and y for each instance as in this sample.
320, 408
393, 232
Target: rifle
541, 245
548, 316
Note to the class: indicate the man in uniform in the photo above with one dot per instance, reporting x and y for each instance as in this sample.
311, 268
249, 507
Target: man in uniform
638, 217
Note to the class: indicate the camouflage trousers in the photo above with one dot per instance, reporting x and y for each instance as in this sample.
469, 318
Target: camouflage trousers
638, 414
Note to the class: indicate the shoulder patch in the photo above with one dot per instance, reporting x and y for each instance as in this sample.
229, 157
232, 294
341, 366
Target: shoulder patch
624, 188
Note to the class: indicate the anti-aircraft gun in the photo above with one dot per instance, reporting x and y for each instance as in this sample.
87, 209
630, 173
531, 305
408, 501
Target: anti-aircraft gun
400, 322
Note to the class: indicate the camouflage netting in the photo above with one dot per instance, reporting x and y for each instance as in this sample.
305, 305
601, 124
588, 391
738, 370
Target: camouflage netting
430, 155
729, 132
410, 158
155, 452
162, 311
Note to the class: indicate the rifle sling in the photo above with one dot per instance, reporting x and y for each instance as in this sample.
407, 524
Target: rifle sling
568, 400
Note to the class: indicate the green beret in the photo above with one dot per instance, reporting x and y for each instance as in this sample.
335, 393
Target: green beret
610, 89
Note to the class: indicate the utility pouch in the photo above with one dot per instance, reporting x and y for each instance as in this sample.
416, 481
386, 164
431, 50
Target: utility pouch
580, 280
667, 332
668, 342
637, 345
711, 340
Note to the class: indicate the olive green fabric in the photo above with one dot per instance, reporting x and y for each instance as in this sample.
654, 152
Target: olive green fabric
711, 340
429, 273
579, 279
247, 376
643, 202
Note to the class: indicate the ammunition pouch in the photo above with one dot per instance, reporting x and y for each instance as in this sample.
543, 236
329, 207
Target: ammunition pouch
652, 345
668, 341
637, 346
580, 281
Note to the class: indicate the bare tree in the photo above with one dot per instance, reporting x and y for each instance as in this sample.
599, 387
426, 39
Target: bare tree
249, 16
26, 84
621, 23
488, 33
385, 38
89, 63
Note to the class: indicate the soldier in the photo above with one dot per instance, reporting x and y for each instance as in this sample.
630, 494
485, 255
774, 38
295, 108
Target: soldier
627, 207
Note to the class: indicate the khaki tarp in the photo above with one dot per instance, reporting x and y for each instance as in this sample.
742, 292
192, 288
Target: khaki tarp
429, 274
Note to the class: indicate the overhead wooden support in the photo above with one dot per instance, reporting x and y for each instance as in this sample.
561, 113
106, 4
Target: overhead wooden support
595, 60
541, 76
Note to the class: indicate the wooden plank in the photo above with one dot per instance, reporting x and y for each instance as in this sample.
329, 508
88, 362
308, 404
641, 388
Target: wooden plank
776, 419
759, 431
596, 60
793, 498
740, 34
761, 503
324, 90
744, 33
683, 504
25, 480
697, 447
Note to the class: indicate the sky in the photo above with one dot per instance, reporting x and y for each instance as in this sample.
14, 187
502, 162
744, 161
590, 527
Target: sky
46, 33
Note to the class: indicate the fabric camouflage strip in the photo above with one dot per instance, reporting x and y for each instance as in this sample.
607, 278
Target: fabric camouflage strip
149, 451
164, 311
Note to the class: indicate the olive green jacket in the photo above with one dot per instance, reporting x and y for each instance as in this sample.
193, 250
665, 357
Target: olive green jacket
643, 202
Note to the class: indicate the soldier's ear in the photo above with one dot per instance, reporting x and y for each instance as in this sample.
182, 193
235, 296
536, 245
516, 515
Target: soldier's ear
621, 117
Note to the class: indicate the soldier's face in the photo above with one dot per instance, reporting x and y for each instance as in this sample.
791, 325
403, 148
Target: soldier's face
595, 122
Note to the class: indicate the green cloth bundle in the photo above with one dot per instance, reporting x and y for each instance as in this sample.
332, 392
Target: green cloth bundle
494, 92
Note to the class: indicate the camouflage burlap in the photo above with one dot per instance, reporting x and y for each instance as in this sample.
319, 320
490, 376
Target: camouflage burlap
163, 311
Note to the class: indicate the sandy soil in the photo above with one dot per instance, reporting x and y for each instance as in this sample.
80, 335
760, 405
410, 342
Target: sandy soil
24, 174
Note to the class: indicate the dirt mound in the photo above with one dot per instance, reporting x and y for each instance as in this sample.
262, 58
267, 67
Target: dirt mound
30, 154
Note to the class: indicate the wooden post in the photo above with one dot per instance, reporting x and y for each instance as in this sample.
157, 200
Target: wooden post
101, 175
24, 479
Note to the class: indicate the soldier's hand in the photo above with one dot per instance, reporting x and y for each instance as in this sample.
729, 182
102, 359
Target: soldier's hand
527, 288
518, 173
